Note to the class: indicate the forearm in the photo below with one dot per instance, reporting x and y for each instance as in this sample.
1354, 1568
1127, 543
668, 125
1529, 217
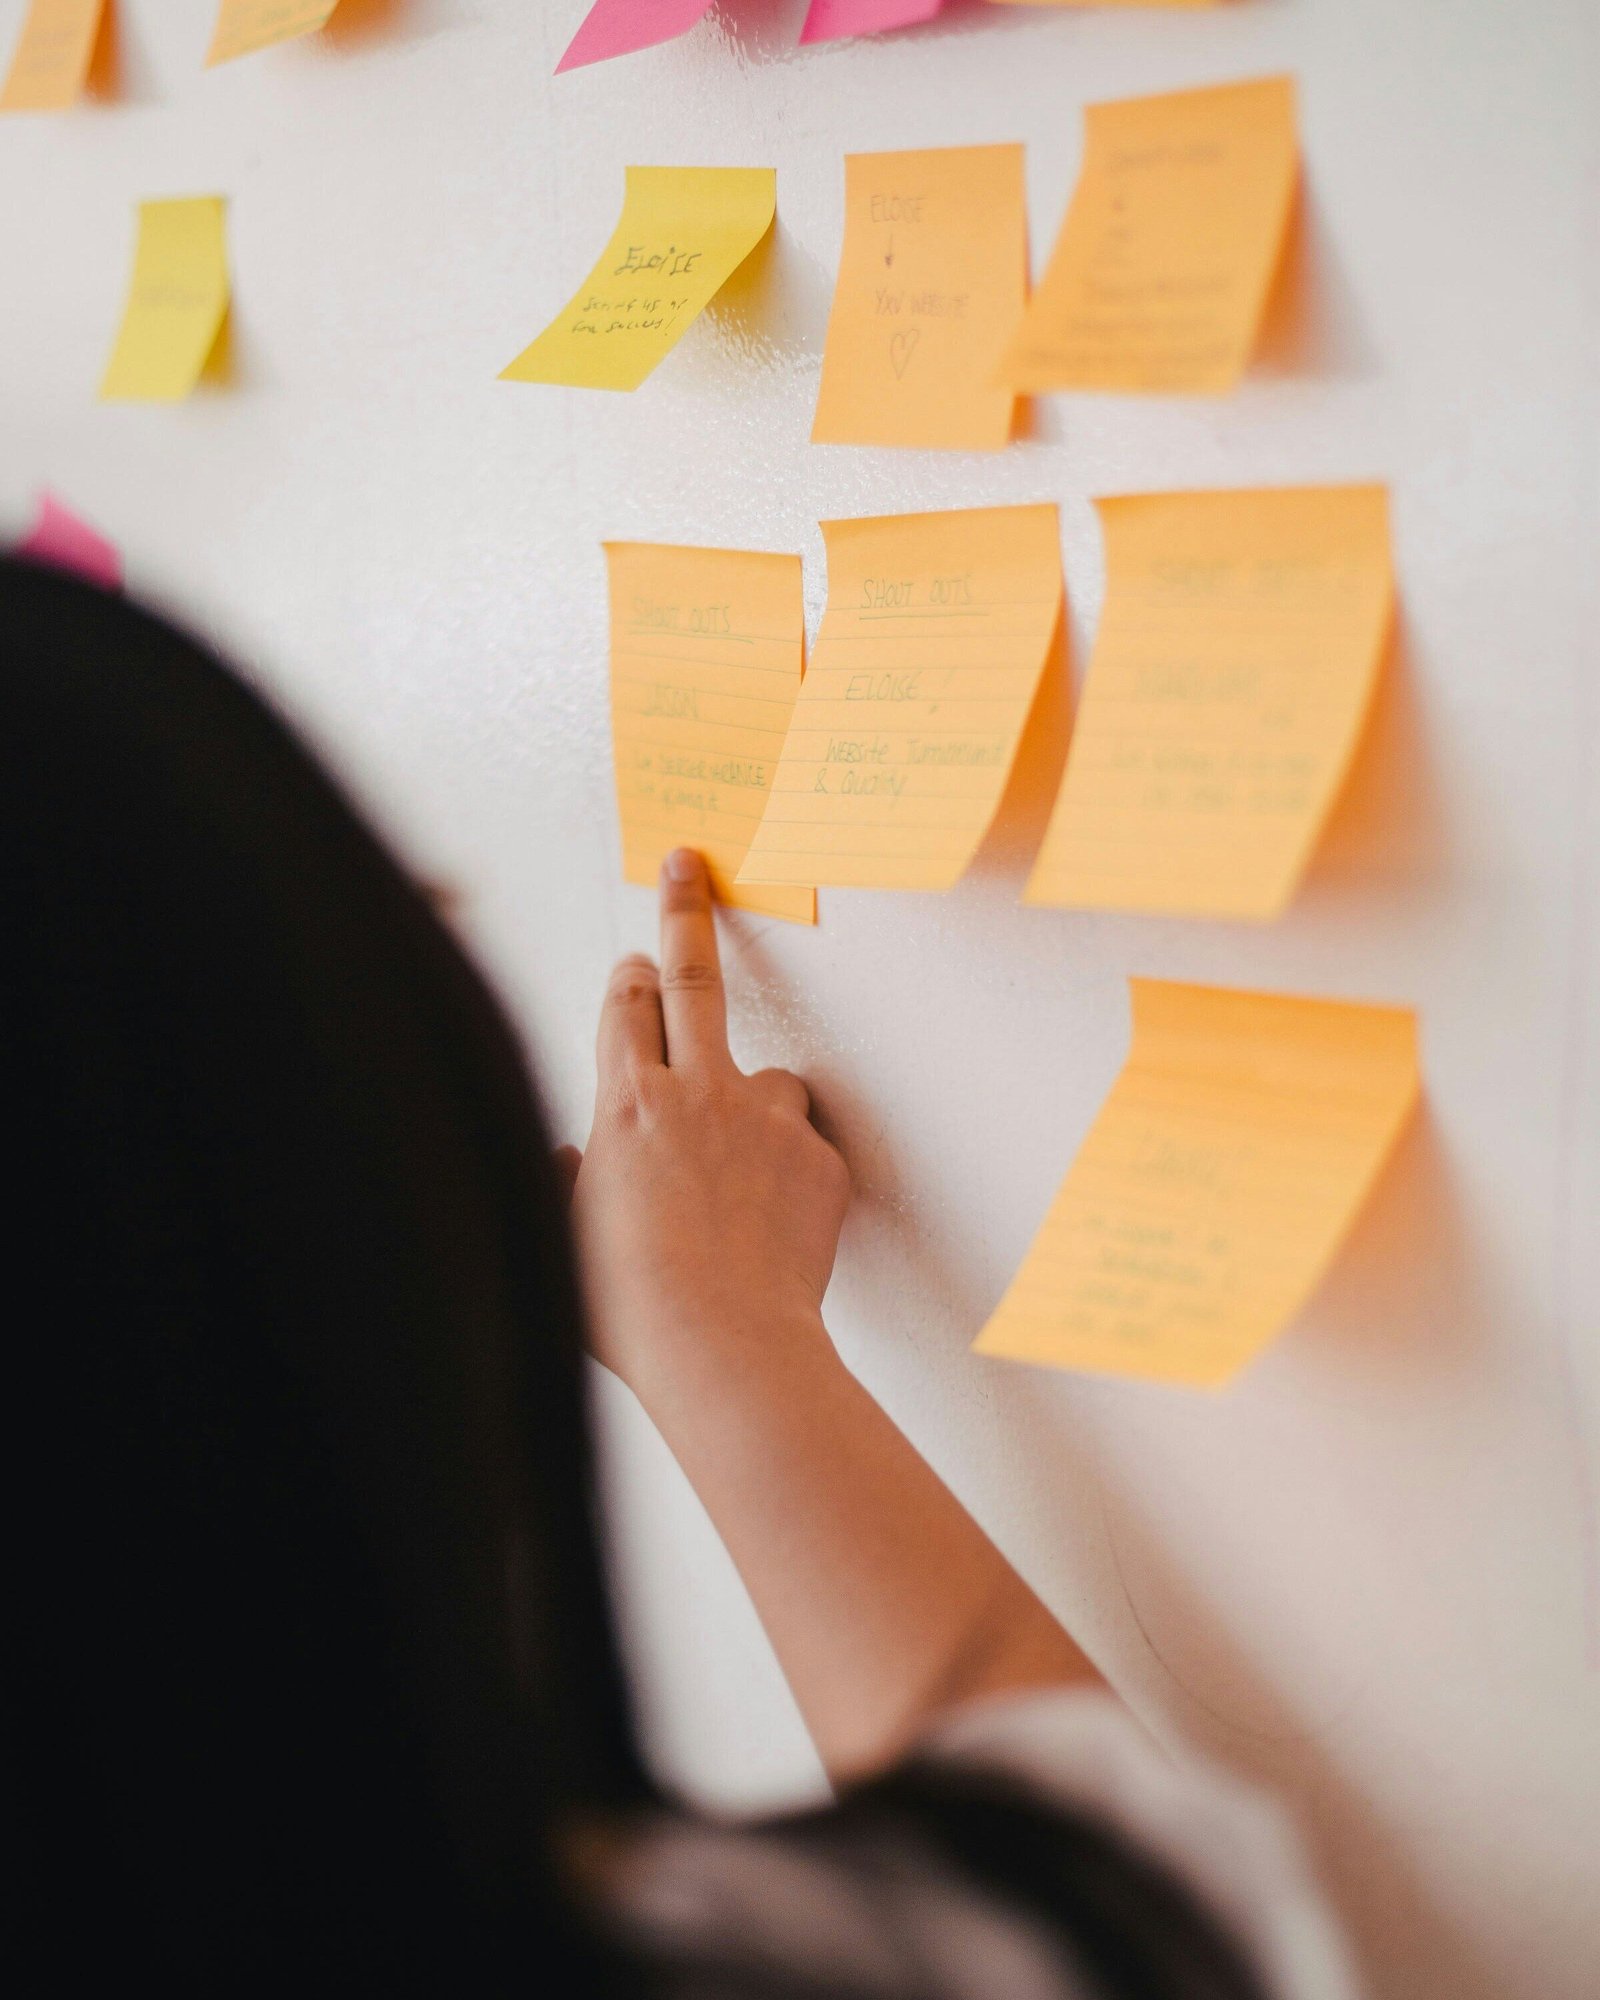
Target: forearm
884, 1600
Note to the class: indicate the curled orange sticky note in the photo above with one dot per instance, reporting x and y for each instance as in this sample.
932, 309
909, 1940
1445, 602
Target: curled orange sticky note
1235, 664
937, 629
707, 647
1171, 242
51, 62
1215, 1185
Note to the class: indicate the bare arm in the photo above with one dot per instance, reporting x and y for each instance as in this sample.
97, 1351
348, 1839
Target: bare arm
708, 1210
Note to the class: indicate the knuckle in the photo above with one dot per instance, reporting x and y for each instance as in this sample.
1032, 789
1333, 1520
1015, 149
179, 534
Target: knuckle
632, 981
693, 975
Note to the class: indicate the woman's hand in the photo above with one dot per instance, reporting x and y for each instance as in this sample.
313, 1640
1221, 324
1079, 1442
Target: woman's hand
707, 1205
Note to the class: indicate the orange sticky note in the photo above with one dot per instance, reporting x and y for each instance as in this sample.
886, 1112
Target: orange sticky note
53, 54
707, 650
1170, 245
1214, 1187
936, 631
243, 26
1234, 667
932, 282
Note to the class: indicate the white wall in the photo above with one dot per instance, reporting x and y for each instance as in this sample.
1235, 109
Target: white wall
1360, 1573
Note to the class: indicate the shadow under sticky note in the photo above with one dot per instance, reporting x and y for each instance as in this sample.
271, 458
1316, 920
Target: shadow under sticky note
50, 65
243, 26
1166, 259
1215, 1185
177, 301
935, 634
1234, 667
932, 282
619, 27
59, 540
707, 650
682, 233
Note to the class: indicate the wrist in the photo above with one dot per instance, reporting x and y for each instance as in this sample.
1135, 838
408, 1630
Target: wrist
693, 1372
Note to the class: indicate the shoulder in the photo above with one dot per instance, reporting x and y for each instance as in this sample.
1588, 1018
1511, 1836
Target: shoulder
1039, 1847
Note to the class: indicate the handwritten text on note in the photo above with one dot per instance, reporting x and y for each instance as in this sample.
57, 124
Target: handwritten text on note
932, 281
1170, 245
683, 232
706, 653
1235, 664
1214, 1187
936, 631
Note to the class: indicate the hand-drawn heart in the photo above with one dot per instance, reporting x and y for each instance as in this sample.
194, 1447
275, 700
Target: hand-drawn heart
901, 347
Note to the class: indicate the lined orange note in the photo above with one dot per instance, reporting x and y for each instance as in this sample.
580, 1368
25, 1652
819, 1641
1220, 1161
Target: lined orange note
1215, 1186
243, 26
707, 650
932, 282
936, 631
51, 63
1235, 665
1172, 239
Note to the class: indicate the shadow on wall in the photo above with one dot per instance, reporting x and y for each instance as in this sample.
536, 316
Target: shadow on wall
1405, 1302
1387, 829
1312, 325
1406, 1944
1017, 829
772, 311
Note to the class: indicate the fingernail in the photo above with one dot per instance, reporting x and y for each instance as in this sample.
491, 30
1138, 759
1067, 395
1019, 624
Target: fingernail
683, 864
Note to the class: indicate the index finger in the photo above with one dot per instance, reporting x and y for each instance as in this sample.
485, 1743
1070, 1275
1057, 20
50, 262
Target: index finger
692, 1003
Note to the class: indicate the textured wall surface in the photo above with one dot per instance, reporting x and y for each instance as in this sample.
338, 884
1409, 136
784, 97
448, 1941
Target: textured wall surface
1359, 1574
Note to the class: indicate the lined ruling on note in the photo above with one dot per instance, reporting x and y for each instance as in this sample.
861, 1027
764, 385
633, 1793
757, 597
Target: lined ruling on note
682, 234
935, 634
1215, 1186
1174, 233
1232, 673
932, 281
707, 648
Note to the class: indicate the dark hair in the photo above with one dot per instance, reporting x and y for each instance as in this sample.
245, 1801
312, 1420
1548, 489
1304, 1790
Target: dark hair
311, 1664
310, 1646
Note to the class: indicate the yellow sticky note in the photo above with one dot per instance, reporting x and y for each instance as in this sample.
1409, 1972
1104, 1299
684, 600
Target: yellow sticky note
177, 302
932, 282
1170, 245
936, 631
1235, 664
1214, 1187
684, 232
243, 26
53, 54
707, 650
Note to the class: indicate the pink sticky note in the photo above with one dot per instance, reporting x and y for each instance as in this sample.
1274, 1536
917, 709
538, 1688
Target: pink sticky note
831, 20
618, 27
61, 541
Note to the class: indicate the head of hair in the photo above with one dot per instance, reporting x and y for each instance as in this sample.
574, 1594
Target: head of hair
311, 1651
